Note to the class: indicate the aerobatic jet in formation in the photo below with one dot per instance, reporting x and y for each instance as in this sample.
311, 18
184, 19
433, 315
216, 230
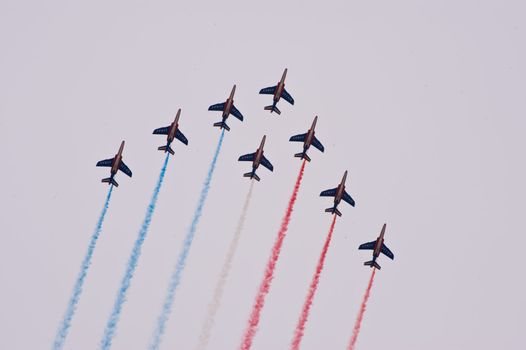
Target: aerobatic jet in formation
338, 193
256, 158
377, 247
278, 91
116, 164
172, 133
308, 139
226, 108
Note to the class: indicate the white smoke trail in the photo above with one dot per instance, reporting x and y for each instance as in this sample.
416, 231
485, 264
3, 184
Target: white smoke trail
213, 307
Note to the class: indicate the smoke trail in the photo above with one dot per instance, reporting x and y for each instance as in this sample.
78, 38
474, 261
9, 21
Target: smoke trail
264, 288
175, 279
359, 319
77, 289
204, 338
111, 326
300, 328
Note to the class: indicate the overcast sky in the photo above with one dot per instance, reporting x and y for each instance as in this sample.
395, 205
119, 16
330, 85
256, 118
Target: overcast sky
422, 101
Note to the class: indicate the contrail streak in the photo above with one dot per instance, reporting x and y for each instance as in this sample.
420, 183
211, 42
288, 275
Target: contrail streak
204, 338
77, 289
175, 279
111, 326
264, 288
358, 323
300, 328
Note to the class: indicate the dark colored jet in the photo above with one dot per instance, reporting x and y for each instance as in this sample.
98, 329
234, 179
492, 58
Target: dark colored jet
256, 158
338, 193
116, 164
226, 108
308, 139
172, 133
377, 247
278, 91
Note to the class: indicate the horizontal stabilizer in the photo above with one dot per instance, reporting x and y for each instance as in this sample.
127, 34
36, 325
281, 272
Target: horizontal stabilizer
372, 263
302, 155
110, 180
251, 175
333, 210
222, 125
166, 149
272, 108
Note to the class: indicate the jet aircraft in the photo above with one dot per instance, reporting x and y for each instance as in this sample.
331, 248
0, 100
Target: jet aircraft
278, 91
338, 193
377, 247
308, 139
116, 164
172, 133
226, 108
256, 158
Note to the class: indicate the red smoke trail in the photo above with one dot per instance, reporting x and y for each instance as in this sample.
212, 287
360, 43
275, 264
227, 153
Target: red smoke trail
359, 319
300, 328
253, 322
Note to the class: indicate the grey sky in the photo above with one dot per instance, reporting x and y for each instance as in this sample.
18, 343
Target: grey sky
422, 101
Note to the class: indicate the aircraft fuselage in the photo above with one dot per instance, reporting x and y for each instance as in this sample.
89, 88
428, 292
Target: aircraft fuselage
310, 135
173, 127
379, 243
117, 160
259, 154
280, 87
229, 103
341, 190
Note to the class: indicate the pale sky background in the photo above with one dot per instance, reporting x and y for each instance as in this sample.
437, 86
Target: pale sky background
422, 101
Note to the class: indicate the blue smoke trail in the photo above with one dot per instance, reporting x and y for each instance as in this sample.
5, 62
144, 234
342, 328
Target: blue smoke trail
77, 289
181, 261
132, 264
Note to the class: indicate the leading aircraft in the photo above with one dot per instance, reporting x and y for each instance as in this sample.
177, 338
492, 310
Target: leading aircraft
226, 108
256, 158
338, 193
308, 139
278, 91
116, 164
172, 133
377, 247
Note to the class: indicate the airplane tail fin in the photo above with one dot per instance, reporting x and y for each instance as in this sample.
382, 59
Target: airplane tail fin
166, 149
110, 180
302, 155
222, 124
251, 175
272, 108
372, 263
333, 210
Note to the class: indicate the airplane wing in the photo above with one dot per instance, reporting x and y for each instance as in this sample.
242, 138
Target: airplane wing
105, 162
367, 246
329, 193
348, 198
286, 96
125, 169
217, 107
236, 113
387, 252
298, 138
162, 131
247, 157
268, 91
265, 162
316, 143
179, 135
